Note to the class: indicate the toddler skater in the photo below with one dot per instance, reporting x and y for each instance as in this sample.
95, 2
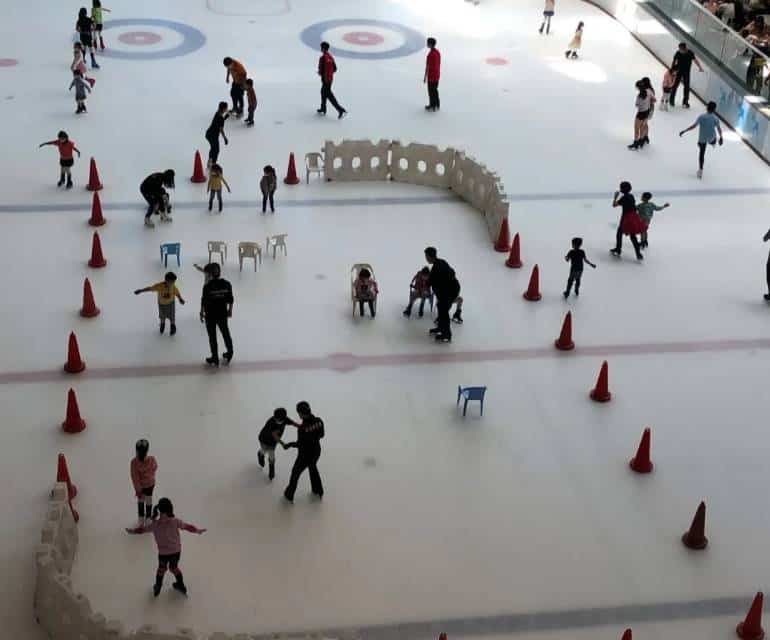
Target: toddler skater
669, 80
366, 290
98, 18
167, 294
646, 210
419, 289
270, 437
143, 468
82, 89
85, 28
165, 527
216, 180
267, 185
548, 12
574, 45
251, 96
66, 147
576, 257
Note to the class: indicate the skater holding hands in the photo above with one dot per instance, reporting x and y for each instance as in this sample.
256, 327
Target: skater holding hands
66, 147
165, 527
270, 437
143, 469
576, 257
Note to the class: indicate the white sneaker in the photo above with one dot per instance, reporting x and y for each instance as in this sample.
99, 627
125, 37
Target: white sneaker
149, 223
700, 173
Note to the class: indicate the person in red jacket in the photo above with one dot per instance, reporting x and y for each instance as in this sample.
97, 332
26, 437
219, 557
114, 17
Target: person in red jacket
432, 75
326, 69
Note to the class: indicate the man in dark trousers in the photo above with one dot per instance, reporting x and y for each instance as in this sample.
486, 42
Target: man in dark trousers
326, 69
216, 308
446, 288
432, 75
682, 65
308, 445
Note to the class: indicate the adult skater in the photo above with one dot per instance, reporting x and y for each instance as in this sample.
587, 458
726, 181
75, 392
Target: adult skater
630, 223
548, 11
446, 288
308, 445
327, 67
643, 111
682, 66
432, 75
216, 307
153, 188
216, 129
767, 268
708, 127
237, 72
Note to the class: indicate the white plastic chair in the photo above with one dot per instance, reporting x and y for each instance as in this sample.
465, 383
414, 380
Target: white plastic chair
314, 163
249, 250
217, 246
276, 242
354, 271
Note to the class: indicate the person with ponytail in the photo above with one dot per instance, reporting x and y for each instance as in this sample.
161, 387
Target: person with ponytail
143, 469
165, 527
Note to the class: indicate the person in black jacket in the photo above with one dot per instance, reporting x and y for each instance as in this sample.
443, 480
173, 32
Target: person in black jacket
153, 188
216, 307
446, 288
308, 445
682, 64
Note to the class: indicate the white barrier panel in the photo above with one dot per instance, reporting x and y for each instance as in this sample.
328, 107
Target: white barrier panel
496, 210
356, 160
150, 632
422, 164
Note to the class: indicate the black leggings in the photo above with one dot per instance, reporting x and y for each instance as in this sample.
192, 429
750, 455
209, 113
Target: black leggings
631, 237
153, 202
236, 94
166, 562
701, 154
265, 197
361, 306
213, 141
218, 194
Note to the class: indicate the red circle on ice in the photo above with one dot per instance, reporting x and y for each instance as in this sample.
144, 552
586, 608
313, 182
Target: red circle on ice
363, 38
8, 62
496, 61
139, 38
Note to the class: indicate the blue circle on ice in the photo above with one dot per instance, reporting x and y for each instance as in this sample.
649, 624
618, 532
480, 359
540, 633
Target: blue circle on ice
192, 39
312, 36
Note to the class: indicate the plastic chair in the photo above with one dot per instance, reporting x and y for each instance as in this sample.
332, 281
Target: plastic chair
170, 249
471, 393
217, 246
429, 298
275, 242
314, 163
354, 271
249, 250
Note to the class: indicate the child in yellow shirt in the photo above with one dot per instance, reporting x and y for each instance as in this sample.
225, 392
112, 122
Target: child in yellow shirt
216, 180
167, 294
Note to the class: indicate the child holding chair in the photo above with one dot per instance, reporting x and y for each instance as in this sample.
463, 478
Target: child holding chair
419, 289
365, 290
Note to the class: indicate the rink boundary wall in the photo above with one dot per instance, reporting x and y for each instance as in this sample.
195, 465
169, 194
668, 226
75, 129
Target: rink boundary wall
421, 164
734, 106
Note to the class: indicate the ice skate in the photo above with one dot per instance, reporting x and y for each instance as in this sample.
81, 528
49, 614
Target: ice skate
615, 252
440, 337
458, 317
227, 356
407, 313
165, 217
157, 587
566, 294
173, 330
61, 182
699, 173
69, 183
767, 297
149, 223
180, 587
162, 327
271, 471
212, 362
261, 458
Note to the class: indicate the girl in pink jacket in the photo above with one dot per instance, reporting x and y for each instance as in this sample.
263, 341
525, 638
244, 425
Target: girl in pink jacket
143, 468
166, 531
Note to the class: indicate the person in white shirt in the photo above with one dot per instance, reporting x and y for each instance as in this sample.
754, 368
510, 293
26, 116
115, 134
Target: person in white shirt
644, 100
548, 11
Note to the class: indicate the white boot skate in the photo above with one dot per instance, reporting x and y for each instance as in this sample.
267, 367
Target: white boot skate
149, 223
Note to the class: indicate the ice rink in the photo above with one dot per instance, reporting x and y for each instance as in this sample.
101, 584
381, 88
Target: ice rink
526, 521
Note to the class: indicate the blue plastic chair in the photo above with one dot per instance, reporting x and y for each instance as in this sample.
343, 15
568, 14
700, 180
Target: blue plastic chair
170, 249
471, 393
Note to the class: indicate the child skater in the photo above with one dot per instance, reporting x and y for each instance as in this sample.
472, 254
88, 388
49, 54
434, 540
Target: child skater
267, 185
98, 19
167, 294
365, 289
419, 289
669, 80
85, 27
252, 101
270, 437
548, 12
457, 316
576, 257
82, 89
66, 147
630, 223
143, 469
216, 180
166, 531
646, 210
574, 45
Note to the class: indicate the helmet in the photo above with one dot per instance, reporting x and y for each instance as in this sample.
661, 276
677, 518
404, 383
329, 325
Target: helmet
142, 447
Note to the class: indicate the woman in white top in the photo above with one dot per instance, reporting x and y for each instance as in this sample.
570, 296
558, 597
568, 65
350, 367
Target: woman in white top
548, 11
574, 45
644, 101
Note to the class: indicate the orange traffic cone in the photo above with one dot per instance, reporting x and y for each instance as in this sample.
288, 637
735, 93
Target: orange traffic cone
74, 363
89, 309
94, 184
514, 258
695, 538
73, 423
198, 174
291, 173
533, 290
751, 627
627, 635
442, 636
504, 237
96, 219
641, 462
564, 341
63, 475
97, 260
601, 392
